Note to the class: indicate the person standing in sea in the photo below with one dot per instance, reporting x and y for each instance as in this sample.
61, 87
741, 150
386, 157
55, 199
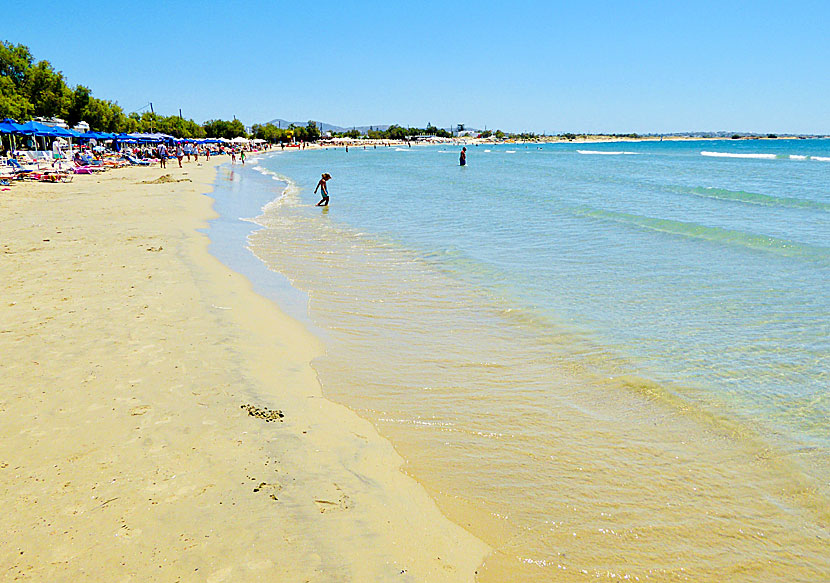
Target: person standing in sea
324, 191
462, 160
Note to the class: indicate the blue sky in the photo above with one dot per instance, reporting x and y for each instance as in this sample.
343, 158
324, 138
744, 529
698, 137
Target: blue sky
535, 66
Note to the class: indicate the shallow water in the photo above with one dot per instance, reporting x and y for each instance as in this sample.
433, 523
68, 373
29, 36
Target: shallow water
604, 365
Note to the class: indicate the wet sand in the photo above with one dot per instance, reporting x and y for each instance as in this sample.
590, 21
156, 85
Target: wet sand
160, 421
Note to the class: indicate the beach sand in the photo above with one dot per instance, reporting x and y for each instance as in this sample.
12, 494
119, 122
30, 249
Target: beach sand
140, 385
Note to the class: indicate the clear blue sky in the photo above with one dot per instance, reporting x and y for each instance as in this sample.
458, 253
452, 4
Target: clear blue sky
537, 65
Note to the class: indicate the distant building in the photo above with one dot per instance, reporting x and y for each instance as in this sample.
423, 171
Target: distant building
81, 127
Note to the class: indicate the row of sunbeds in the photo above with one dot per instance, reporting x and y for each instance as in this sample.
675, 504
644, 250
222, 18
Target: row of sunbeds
41, 166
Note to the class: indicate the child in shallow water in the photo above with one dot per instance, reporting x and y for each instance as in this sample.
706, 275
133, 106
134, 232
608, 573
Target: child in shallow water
324, 191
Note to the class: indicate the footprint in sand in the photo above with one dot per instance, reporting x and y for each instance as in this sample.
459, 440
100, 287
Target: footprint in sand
140, 410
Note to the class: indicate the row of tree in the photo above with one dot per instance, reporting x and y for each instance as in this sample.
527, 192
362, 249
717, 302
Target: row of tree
271, 133
35, 89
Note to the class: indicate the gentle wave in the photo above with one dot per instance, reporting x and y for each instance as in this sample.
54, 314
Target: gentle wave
732, 155
606, 153
774, 245
757, 156
751, 197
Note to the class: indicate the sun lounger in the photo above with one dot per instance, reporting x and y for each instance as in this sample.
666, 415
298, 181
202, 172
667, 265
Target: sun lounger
84, 166
18, 168
135, 161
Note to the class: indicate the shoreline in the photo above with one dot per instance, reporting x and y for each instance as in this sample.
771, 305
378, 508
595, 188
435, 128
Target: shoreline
128, 451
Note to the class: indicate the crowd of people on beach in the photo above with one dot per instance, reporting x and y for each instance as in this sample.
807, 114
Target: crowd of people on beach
60, 162
91, 157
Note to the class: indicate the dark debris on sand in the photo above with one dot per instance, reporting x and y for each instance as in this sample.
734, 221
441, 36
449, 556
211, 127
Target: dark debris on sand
263, 413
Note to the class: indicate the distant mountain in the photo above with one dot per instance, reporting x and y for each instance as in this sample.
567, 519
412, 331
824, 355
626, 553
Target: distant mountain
326, 127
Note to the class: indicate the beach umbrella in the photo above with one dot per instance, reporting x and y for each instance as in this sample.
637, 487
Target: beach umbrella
35, 128
9, 126
62, 132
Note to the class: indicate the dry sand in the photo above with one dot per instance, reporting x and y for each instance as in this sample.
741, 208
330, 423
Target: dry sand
140, 384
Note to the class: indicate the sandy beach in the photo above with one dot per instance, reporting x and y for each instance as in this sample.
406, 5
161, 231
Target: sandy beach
159, 421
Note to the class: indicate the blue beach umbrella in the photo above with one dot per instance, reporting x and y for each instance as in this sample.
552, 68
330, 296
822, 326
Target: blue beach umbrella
64, 133
35, 128
9, 126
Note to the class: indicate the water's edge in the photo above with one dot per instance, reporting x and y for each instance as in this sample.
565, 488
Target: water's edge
228, 235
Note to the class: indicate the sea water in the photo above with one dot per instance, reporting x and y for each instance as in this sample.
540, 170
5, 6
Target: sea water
605, 360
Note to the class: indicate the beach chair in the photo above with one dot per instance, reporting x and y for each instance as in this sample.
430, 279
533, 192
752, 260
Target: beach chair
83, 166
18, 168
135, 161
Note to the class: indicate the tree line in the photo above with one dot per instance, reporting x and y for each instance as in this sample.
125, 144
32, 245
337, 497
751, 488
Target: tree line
271, 133
35, 89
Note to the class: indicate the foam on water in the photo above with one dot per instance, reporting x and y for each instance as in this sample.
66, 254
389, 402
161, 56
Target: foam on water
737, 155
605, 152
763, 156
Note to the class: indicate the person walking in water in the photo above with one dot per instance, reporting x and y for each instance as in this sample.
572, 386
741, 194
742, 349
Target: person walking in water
462, 160
324, 191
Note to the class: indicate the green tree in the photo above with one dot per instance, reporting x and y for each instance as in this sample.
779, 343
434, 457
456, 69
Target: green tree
79, 102
104, 116
15, 62
47, 90
270, 133
220, 128
312, 132
13, 104
396, 132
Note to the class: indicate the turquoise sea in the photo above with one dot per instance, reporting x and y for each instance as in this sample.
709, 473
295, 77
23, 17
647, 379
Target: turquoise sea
574, 337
